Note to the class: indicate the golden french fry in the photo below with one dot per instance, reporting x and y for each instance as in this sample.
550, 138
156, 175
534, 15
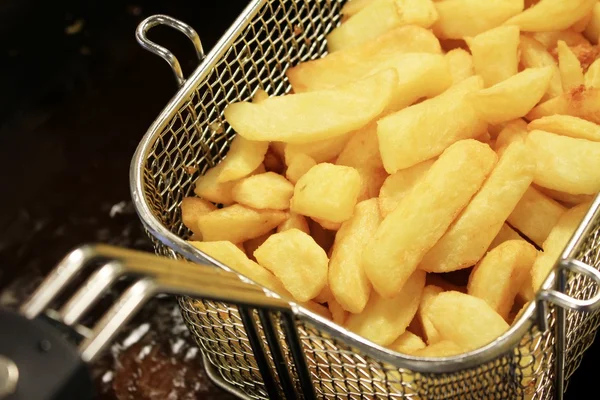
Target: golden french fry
444, 348
397, 186
228, 254
567, 125
296, 221
259, 96
460, 18
338, 314
512, 98
471, 234
424, 214
465, 320
208, 187
498, 277
328, 192
580, 102
550, 39
495, 54
297, 260
191, 209
243, 157
354, 6
347, 278
580, 25
264, 191
571, 73
506, 233
423, 131
460, 65
324, 295
430, 334
314, 116
592, 30
317, 309
578, 171
513, 131
592, 75
320, 151
250, 245
552, 15
556, 242
238, 223
379, 17
535, 55
407, 343
383, 320
566, 199
299, 166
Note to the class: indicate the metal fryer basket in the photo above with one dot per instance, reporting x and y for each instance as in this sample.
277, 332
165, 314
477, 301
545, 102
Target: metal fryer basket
262, 353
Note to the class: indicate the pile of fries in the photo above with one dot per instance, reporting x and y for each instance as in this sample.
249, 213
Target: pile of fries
419, 182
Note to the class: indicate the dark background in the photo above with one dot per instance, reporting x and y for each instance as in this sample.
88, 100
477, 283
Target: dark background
77, 94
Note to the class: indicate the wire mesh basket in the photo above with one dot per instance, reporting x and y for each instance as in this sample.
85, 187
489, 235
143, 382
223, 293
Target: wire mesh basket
292, 352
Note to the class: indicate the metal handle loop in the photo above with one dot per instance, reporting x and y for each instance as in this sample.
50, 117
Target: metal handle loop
162, 52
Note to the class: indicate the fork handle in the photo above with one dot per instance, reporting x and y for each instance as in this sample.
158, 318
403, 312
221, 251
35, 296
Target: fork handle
38, 363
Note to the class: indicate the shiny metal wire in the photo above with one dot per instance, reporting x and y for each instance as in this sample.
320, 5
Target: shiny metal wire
190, 136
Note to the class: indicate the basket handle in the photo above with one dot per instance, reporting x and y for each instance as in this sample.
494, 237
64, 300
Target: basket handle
155, 20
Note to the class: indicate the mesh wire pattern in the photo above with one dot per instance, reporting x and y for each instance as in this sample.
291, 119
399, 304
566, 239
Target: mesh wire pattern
195, 137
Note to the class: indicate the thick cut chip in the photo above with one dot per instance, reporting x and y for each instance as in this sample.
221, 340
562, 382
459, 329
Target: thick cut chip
251, 245
228, 254
338, 314
592, 30
506, 233
397, 186
354, 6
423, 131
297, 260
468, 238
294, 221
591, 79
535, 55
424, 214
460, 64
191, 209
498, 277
466, 320
444, 348
567, 125
299, 166
209, 188
243, 157
514, 131
552, 15
571, 73
262, 191
259, 96
556, 242
495, 54
565, 164
407, 343
379, 17
535, 215
580, 102
238, 223
460, 18
347, 278
328, 192
430, 334
566, 198
512, 98
324, 295
383, 320
550, 39
313, 116
320, 151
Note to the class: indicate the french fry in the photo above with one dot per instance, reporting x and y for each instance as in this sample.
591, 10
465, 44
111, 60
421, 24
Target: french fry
552, 15
471, 234
460, 65
535, 55
264, 191
313, 116
297, 260
513, 131
259, 96
535, 215
397, 186
423, 131
347, 278
354, 6
567, 125
444, 348
324, 295
577, 172
498, 277
592, 30
495, 54
191, 209
506, 233
208, 187
556, 242
591, 79
580, 25
550, 39
580, 102
298, 166
430, 334
424, 214
294, 221
250, 245
512, 98
320, 151
243, 157
383, 320
407, 343
338, 314
571, 73
465, 320
567, 199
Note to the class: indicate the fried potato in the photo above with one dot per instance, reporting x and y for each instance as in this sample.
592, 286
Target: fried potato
297, 260
514, 131
324, 295
465, 320
592, 30
377, 18
460, 18
506, 233
191, 209
577, 172
471, 234
317, 309
550, 39
208, 187
347, 278
322, 236
444, 348
567, 125
320, 151
354, 6
580, 25
591, 79
298, 166
424, 214
264, 191
551, 15
423, 131
243, 157
397, 185
512, 98
250, 245
460, 65
430, 334
228, 254
407, 343
535, 55
328, 192
238, 223
580, 102
383, 320
296, 221
566, 198
338, 314
495, 54
314, 116
498, 277
259, 96
571, 73
535, 215
555, 243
